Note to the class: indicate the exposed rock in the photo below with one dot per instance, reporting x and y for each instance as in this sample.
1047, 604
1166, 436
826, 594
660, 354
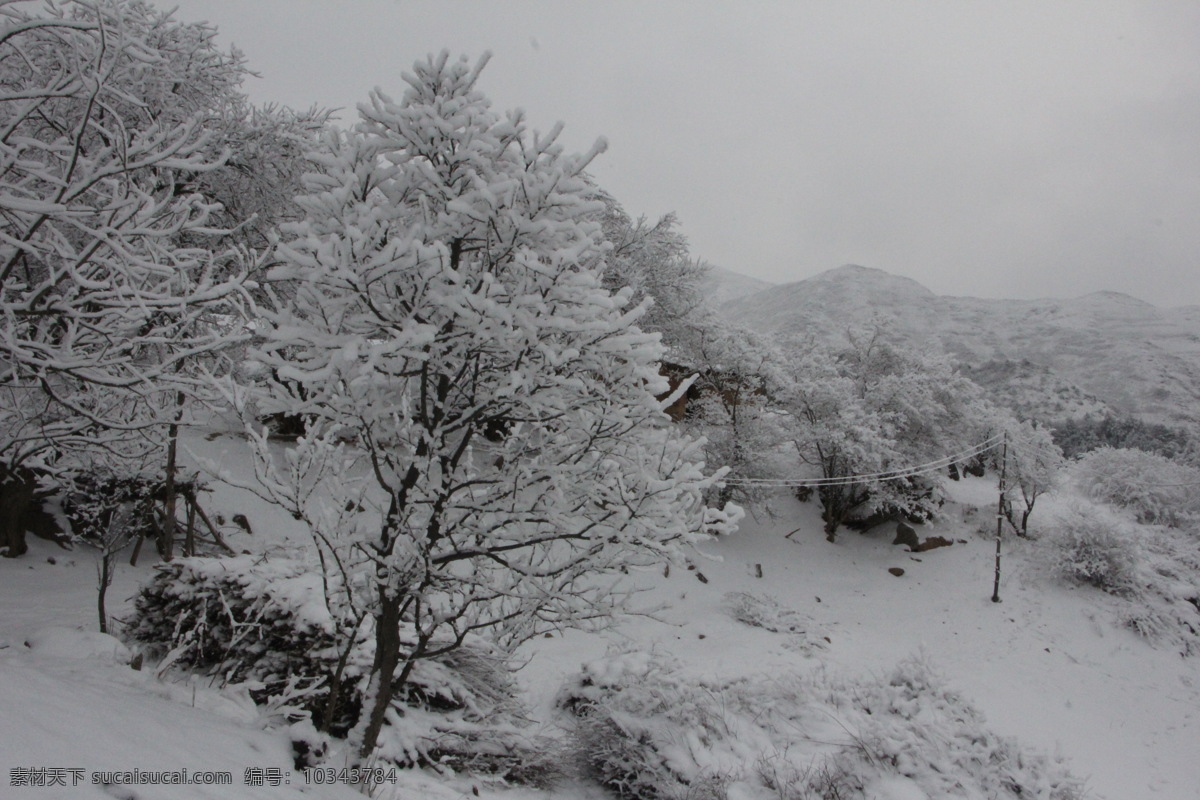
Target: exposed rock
906, 534
23, 509
931, 543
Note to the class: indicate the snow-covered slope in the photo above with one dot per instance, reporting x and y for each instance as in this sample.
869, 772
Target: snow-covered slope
1049, 665
1102, 351
722, 285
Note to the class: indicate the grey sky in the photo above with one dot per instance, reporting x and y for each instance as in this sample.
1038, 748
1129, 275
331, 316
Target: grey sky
995, 149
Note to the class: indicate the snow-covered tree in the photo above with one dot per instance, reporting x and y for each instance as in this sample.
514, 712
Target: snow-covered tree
870, 410
448, 287
653, 261
736, 376
257, 182
104, 297
727, 401
1034, 465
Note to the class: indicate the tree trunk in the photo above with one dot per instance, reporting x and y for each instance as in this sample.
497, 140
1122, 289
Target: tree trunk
106, 569
333, 703
834, 508
387, 657
16, 495
831, 526
189, 537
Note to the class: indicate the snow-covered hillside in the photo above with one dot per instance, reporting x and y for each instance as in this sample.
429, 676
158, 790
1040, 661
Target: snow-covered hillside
722, 285
1103, 351
1049, 665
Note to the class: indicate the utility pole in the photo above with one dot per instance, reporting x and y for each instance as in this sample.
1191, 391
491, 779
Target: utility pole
1000, 517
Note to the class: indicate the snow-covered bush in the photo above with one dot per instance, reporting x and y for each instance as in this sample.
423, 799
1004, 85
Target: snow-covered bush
1093, 546
1156, 489
249, 620
645, 728
759, 611
509, 751
1153, 570
110, 510
913, 723
265, 623
103, 506
1166, 610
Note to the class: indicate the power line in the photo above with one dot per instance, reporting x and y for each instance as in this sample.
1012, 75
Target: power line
850, 480
909, 472
939, 463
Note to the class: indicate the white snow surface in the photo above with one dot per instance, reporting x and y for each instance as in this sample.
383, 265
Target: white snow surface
1049, 665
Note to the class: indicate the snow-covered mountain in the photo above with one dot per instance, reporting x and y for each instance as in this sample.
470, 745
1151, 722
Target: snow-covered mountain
1052, 358
722, 285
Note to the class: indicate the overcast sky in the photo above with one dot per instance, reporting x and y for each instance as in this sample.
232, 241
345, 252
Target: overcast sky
993, 149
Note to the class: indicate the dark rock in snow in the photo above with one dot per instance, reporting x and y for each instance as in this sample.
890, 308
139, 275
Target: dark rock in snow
906, 534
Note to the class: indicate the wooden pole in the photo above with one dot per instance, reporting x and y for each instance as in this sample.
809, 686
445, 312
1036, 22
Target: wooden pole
189, 540
191, 498
167, 534
1000, 518
137, 549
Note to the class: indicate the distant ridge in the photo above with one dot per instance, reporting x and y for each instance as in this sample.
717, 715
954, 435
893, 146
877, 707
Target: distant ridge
723, 285
869, 276
1051, 358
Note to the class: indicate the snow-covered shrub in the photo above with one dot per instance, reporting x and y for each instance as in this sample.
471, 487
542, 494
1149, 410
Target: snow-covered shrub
1092, 546
759, 611
266, 623
1157, 490
1166, 610
636, 715
246, 619
502, 747
1153, 570
723, 521
647, 729
912, 722
1079, 436
824, 780
103, 506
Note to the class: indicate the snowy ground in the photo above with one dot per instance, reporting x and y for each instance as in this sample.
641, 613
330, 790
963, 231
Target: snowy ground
1048, 665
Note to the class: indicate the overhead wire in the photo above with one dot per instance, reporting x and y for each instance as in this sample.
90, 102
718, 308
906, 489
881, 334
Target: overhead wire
849, 480
902, 472
907, 472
